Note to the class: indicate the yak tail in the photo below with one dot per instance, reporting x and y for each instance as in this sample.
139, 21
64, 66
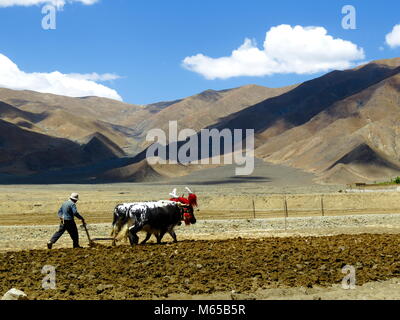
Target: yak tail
115, 216
123, 234
114, 230
120, 233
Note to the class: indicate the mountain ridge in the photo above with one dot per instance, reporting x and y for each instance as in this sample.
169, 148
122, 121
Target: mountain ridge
341, 126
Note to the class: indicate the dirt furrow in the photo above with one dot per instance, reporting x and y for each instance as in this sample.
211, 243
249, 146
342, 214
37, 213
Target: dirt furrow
201, 267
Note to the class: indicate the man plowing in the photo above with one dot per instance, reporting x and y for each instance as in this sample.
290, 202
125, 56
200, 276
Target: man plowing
67, 213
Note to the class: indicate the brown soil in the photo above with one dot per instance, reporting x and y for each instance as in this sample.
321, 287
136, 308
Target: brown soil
201, 267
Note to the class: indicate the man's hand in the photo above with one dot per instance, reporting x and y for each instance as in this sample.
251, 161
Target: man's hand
83, 222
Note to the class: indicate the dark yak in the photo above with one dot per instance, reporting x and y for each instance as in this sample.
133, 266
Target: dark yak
156, 218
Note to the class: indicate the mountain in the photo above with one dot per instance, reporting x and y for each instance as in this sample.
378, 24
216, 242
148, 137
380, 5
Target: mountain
342, 127
94, 130
208, 108
60, 123
125, 124
74, 118
349, 137
99, 147
19, 117
142, 171
299, 105
94, 108
8, 112
23, 151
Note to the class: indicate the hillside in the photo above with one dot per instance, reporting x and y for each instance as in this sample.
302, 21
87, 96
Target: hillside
99, 130
352, 139
209, 107
94, 108
342, 127
73, 118
99, 147
24, 152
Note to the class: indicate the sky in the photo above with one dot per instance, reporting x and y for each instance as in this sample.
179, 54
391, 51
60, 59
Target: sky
143, 52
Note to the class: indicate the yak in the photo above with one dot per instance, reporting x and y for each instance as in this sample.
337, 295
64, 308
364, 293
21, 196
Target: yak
156, 218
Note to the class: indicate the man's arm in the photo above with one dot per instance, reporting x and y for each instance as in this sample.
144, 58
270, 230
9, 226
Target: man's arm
76, 213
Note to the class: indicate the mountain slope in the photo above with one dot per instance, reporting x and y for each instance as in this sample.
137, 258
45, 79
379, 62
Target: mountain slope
23, 151
299, 105
60, 123
74, 118
343, 127
91, 107
207, 108
369, 118
101, 148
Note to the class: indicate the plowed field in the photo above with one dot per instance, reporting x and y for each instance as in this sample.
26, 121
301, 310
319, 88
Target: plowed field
201, 267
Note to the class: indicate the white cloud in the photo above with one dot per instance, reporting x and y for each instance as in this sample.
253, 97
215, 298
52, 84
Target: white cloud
393, 38
54, 82
95, 76
300, 50
57, 3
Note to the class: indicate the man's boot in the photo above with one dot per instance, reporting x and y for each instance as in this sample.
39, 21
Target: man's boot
49, 245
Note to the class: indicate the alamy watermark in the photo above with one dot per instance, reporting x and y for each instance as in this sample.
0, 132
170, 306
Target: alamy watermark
49, 21
349, 281
49, 281
209, 146
349, 21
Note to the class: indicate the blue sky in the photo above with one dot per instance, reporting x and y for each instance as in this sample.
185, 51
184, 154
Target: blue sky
145, 42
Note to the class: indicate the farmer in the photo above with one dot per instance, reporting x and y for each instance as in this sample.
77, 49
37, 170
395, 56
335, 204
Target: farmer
66, 214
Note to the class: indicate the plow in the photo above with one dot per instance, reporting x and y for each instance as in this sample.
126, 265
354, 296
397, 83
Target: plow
92, 242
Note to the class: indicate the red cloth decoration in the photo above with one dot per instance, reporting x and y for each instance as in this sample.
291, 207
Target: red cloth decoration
191, 202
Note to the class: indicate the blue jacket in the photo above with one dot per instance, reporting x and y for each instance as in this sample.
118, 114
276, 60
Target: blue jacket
68, 211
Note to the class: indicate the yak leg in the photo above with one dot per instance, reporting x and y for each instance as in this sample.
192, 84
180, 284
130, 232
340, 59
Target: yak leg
114, 236
160, 236
148, 236
173, 235
133, 238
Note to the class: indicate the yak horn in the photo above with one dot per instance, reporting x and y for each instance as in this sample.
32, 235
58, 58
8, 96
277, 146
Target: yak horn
190, 191
173, 193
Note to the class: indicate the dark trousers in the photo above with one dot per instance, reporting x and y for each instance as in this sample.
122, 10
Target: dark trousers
70, 227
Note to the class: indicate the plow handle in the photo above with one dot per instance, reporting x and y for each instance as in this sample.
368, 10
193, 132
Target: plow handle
87, 232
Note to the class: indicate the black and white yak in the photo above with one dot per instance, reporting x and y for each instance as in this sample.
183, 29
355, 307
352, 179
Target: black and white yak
156, 218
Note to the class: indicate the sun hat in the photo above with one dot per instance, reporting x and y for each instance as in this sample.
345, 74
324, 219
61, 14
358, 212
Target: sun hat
74, 196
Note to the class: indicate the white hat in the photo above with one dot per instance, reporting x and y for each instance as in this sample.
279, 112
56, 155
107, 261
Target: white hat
173, 194
74, 196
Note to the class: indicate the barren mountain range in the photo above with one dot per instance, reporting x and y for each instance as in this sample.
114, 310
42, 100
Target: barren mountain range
343, 127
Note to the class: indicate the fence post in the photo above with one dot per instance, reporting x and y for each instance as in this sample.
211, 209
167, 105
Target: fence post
322, 206
254, 210
285, 211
